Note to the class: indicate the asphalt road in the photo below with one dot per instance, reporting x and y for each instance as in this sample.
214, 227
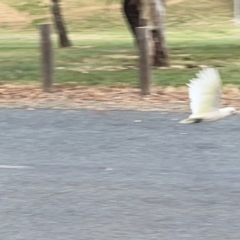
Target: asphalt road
96, 175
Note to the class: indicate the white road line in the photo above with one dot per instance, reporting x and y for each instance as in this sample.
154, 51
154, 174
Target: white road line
14, 167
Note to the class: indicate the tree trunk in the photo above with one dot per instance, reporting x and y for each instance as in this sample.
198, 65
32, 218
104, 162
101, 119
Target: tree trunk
132, 10
161, 55
59, 24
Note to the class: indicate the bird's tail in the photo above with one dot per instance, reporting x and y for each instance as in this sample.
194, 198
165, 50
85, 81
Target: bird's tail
191, 120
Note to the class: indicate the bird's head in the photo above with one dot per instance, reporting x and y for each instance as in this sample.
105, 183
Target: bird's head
229, 110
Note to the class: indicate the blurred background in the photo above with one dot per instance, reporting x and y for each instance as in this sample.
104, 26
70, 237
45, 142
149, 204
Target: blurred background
103, 53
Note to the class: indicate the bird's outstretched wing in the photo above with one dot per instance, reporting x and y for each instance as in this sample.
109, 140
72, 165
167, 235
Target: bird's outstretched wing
205, 91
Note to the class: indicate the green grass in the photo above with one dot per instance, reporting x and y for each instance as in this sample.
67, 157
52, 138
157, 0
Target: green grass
32, 7
86, 62
198, 33
101, 15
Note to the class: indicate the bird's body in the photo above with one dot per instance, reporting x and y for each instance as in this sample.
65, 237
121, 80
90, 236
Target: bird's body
210, 116
205, 95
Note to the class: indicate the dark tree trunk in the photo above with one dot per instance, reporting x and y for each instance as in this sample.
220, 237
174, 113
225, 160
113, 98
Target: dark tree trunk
59, 24
132, 13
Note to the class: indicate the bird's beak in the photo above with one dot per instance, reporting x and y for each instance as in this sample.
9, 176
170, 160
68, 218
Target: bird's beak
236, 112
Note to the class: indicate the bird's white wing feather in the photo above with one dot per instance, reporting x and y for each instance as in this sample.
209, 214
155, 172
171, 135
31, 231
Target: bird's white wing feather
205, 91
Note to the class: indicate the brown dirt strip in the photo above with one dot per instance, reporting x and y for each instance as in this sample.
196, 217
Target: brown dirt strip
70, 96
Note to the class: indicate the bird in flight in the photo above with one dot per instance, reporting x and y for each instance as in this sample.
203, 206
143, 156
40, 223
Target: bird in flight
205, 96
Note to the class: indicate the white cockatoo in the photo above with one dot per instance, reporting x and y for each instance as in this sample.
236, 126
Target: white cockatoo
205, 95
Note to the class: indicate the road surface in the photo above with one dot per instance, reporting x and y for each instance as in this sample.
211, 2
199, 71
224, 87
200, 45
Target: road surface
95, 175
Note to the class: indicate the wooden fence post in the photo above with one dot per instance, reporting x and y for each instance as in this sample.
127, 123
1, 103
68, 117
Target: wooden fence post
144, 59
46, 56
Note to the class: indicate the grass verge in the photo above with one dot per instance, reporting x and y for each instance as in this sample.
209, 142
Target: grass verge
110, 59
